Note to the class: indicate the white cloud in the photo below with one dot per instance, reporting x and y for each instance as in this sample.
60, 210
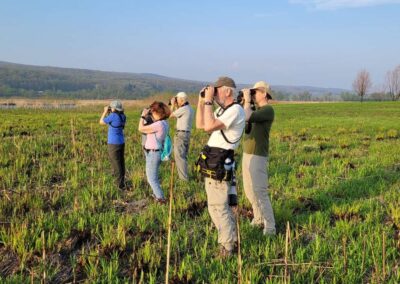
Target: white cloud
337, 4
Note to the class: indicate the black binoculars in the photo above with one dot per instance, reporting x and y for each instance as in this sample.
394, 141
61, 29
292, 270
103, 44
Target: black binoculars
148, 119
239, 98
203, 93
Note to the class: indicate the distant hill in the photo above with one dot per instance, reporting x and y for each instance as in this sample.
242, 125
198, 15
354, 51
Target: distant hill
18, 80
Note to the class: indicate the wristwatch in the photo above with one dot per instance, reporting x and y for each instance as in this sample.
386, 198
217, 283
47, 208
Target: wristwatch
208, 103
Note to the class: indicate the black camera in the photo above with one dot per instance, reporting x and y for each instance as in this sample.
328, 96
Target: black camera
148, 119
109, 110
239, 98
203, 93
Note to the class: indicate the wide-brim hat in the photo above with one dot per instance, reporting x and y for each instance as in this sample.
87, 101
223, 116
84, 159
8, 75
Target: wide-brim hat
261, 85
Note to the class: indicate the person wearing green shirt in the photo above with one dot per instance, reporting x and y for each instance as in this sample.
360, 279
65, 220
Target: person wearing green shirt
255, 155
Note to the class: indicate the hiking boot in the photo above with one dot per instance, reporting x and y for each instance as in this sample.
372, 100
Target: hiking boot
161, 201
256, 224
224, 253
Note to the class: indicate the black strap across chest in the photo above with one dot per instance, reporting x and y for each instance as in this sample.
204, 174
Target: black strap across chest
222, 132
122, 120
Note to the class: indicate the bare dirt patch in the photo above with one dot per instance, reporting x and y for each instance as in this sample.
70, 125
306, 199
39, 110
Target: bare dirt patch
131, 207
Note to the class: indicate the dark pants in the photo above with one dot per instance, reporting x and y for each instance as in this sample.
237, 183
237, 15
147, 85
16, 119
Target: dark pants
117, 160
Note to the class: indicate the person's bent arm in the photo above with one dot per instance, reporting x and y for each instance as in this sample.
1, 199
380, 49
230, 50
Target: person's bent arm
210, 122
200, 113
173, 106
146, 129
247, 110
101, 121
247, 106
262, 116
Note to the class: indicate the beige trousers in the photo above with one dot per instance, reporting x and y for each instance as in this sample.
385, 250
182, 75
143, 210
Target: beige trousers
255, 184
220, 212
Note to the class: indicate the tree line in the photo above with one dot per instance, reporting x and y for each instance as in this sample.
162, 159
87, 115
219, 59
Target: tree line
64, 83
391, 89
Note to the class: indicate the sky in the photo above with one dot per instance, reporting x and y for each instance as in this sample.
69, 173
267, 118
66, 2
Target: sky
320, 43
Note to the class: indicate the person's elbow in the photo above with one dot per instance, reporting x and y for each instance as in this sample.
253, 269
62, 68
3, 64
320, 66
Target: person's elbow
212, 127
208, 128
200, 127
101, 122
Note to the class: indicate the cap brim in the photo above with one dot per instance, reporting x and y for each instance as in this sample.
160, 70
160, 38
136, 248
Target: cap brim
257, 88
268, 94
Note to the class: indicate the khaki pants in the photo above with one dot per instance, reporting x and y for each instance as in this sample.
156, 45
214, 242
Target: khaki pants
255, 184
220, 212
181, 148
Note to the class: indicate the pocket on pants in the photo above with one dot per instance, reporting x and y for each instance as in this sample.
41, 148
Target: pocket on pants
217, 192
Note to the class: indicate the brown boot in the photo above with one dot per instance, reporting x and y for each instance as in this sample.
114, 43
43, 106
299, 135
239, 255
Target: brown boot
224, 253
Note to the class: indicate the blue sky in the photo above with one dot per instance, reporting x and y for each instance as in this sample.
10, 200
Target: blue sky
288, 42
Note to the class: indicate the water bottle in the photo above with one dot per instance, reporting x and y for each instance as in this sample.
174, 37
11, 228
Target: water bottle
228, 164
232, 193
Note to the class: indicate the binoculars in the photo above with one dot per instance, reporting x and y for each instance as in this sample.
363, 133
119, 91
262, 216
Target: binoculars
175, 101
203, 93
239, 98
148, 119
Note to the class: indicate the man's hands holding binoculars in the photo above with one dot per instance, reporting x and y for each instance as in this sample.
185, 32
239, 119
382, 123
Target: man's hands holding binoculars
207, 93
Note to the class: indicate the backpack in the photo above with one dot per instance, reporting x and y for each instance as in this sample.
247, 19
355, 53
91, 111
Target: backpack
166, 147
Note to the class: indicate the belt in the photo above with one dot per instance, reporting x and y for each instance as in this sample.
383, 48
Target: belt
187, 131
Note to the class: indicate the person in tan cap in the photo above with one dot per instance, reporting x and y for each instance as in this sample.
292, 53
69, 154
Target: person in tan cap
183, 113
255, 155
216, 161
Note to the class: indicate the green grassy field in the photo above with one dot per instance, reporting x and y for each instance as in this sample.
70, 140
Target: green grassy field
334, 176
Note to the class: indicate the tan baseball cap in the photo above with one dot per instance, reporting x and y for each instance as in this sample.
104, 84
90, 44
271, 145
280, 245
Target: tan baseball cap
264, 86
182, 95
225, 81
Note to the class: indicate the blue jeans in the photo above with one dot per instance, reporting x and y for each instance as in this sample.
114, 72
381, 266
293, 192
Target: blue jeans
153, 161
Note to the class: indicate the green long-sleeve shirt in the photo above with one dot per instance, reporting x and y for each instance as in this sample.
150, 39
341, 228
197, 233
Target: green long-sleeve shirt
257, 141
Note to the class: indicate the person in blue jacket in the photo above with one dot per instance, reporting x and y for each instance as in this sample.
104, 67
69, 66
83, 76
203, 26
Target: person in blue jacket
113, 116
